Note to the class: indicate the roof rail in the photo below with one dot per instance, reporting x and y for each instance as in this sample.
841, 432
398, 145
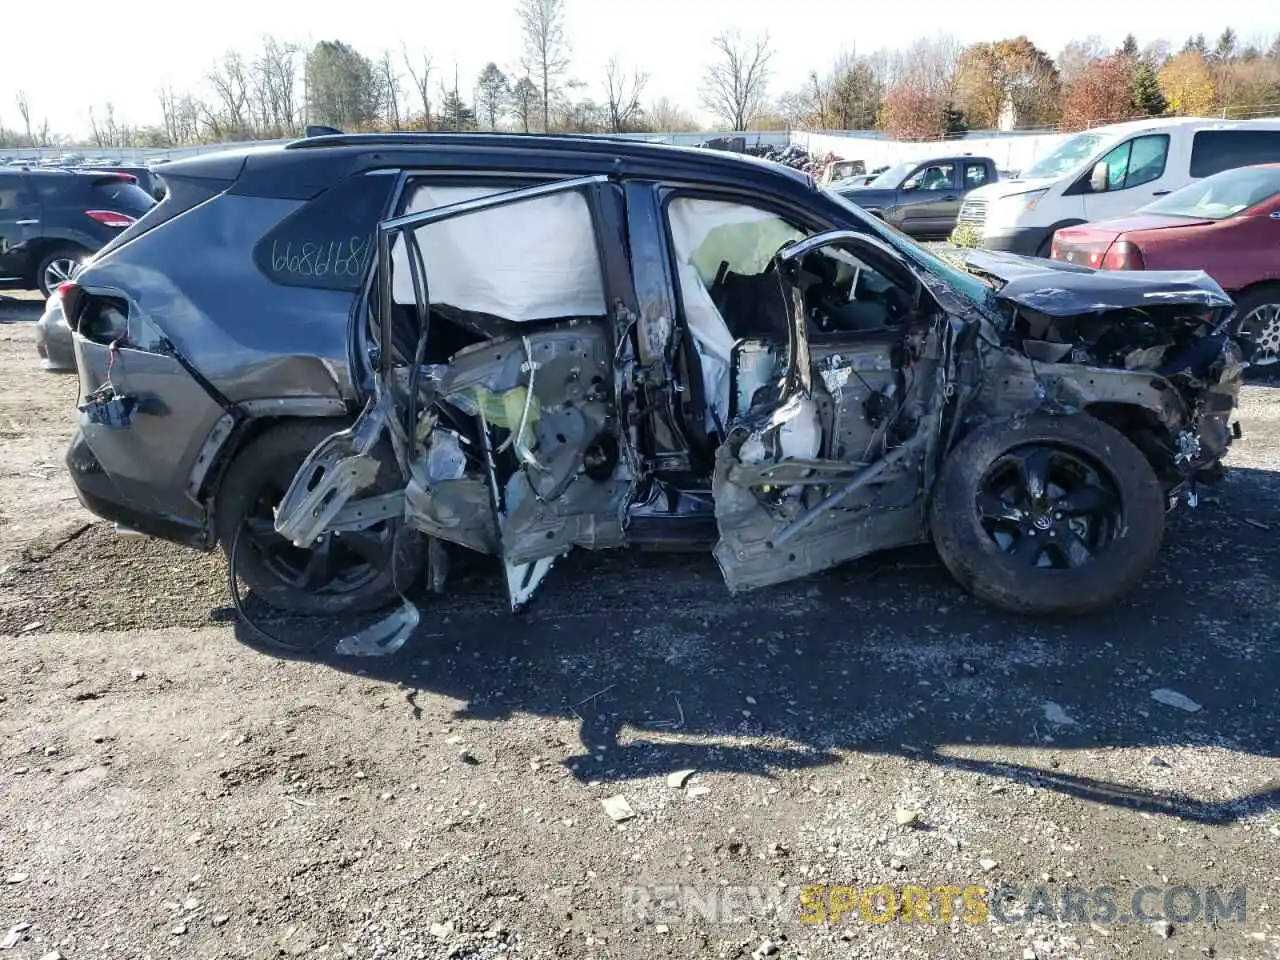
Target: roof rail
319, 130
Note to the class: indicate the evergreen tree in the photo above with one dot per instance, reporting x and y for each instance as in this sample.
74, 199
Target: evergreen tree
455, 114
1147, 98
1225, 48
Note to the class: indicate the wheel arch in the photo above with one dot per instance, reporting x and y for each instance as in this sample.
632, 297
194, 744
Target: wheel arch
1257, 286
208, 472
1143, 427
42, 247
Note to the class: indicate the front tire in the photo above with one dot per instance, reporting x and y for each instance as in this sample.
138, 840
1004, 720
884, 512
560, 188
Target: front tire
1053, 515
343, 573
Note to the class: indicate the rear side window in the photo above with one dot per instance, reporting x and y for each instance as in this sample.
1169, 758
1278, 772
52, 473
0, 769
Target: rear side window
122, 195
331, 240
1213, 151
12, 193
975, 175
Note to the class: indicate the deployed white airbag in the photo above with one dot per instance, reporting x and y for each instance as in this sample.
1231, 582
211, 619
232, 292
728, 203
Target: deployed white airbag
706, 233
531, 260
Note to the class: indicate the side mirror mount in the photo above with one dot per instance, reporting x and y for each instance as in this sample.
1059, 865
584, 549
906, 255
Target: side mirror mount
1098, 177
911, 183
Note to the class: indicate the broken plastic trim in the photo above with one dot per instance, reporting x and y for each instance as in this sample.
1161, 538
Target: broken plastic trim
332, 473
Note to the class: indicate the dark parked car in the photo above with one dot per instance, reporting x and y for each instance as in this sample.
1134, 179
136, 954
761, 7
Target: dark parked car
1227, 225
352, 351
53, 337
147, 179
51, 220
922, 199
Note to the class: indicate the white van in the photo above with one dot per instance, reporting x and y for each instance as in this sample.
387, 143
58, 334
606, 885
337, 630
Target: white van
1110, 171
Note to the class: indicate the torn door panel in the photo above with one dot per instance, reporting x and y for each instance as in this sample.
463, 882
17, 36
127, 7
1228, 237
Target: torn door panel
545, 456
837, 468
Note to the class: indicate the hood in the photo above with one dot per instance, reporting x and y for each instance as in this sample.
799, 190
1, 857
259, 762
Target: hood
1061, 289
1008, 188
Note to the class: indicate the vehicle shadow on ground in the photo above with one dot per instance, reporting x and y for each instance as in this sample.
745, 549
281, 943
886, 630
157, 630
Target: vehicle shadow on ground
664, 671
16, 310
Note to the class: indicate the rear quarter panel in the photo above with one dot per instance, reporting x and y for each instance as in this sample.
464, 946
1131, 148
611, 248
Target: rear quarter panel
1237, 253
194, 277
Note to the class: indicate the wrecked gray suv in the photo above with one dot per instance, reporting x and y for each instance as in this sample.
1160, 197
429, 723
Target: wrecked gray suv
550, 343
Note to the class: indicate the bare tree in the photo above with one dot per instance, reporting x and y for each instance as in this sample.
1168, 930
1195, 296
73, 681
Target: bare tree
168, 113
493, 92
1077, 56
667, 117
622, 92
391, 90
421, 77
524, 101
274, 87
736, 82
546, 52
24, 109
230, 82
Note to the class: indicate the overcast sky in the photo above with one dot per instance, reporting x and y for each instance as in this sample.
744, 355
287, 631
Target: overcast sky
90, 53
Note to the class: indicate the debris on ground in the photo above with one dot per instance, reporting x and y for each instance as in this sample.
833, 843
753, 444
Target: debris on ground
678, 778
906, 817
617, 808
14, 935
1172, 698
1057, 715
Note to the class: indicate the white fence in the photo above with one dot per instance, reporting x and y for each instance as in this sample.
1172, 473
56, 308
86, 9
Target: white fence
1015, 151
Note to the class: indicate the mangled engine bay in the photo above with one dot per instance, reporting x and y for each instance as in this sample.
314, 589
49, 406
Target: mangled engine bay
1154, 342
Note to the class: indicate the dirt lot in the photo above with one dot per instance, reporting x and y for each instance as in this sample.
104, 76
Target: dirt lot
169, 789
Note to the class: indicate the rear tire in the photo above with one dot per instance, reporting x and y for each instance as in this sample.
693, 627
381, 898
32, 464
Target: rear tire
1054, 559
1259, 312
345, 573
55, 268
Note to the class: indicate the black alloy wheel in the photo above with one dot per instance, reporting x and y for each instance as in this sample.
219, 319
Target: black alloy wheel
1049, 506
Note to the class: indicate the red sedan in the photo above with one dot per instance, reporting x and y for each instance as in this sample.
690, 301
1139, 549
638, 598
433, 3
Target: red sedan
1227, 225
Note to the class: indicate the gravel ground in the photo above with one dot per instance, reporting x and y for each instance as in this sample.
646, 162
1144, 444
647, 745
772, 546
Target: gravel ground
168, 788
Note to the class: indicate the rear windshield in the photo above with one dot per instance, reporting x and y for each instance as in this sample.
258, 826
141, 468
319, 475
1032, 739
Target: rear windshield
122, 195
1220, 196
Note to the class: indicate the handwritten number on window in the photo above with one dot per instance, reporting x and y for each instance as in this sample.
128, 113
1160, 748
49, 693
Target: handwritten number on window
334, 258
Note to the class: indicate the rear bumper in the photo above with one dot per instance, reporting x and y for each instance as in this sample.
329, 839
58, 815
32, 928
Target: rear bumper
53, 344
100, 495
1025, 241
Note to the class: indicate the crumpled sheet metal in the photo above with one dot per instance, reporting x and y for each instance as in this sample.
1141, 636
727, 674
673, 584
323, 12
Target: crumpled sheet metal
1061, 289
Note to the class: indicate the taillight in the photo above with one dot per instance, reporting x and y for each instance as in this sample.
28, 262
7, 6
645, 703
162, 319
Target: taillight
1083, 253
1122, 255
109, 218
69, 295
